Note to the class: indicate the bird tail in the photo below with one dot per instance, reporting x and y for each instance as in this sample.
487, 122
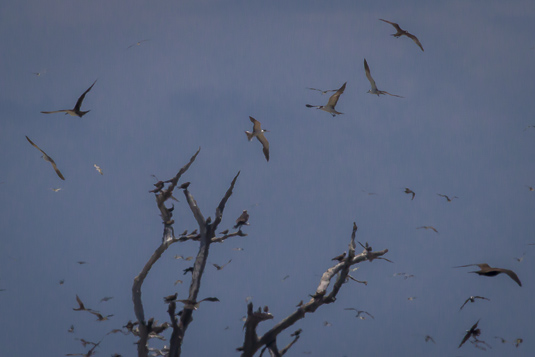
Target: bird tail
249, 135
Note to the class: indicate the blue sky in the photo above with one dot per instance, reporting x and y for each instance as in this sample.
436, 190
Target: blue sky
207, 67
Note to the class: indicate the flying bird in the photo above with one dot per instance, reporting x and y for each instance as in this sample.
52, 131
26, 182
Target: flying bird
56, 189
323, 91
374, 89
429, 338
428, 227
219, 267
75, 112
47, 158
137, 43
401, 32
447, 198
242, 220
106, 298
473, 299
359, 313
474, 331
71, 329
99, 316
98, 169
329, 108
81, 306
258, 132
409, 191
194, 305
487, 270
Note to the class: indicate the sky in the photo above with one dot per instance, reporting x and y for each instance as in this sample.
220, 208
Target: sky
464, 128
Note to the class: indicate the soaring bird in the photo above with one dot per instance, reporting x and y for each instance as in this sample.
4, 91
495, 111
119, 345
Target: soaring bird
401, 32
98, 169
429, 338
329, 108
258, 132
409, 191
47, 158
323, 91
487, 270
137, 43
99, 316
474, 331
76, 112
81, 305
219, 267
374, 89
242, 220
194, 305
428, 227
446, 197
359, 313
473, 299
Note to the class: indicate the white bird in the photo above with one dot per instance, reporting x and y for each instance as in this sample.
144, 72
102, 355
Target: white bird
258, 132
374, 89
98, 169
56, 189
329, 108
75, 112
47, 158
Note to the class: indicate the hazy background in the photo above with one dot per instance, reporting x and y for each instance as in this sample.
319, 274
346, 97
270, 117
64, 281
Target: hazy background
207, 66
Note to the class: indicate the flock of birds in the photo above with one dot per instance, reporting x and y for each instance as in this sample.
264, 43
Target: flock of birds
257, 132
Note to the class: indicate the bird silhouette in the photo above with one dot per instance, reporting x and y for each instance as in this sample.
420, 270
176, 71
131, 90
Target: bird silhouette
473, 299
47, 158
329, 108
401, 32
374, 89
75, 112
474, 331
487, 270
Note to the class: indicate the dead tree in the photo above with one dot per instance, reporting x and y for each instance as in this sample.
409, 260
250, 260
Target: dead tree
206, 236
252, 343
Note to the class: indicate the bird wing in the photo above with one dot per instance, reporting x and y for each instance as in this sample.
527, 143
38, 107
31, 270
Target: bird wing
393, 95
464, 304
57, 111
256, 124
467, 265
370, 315
368, 74
511, 274
466, 337
82, 307
481, 297
265, 144
81, 99
393, 24
415, 39
334, 98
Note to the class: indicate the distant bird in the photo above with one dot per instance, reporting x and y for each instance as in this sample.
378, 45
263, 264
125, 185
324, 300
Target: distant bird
194, 305
297, 332
531, 188
360, 312
411, 298
529, 126
219, 267
81, 306
137, 43
179, 256
47, 158
487, 270
429, 338
98, 169
242, 220
224, 232
503, 340
62, 281
56, 189
327, 324
517, 342
38, 74
258, 132
99, 316
474, 331
521, 258
401, 32
323, 91
178, 282
473, 299
106, 298
170, 298
71, 329
369, 193
81, 262
285, 277
76, 112
238, 249
329, 108
409, 191
340, 257
374, 89
447, 198
428, 227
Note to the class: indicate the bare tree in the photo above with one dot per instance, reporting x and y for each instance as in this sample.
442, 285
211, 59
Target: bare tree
206, 236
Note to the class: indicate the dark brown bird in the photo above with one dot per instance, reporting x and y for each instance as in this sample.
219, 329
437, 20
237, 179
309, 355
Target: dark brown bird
428, 227
224, 232
429, 338
473, 299
170, 298
340, 257
447, 197
194, 305
106, 298
219, 267
159, 185
242, 220
401, 32
474, 331
188, 270
297, 332
409, 191
47, 158
76, 112
99, 316
487, 270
